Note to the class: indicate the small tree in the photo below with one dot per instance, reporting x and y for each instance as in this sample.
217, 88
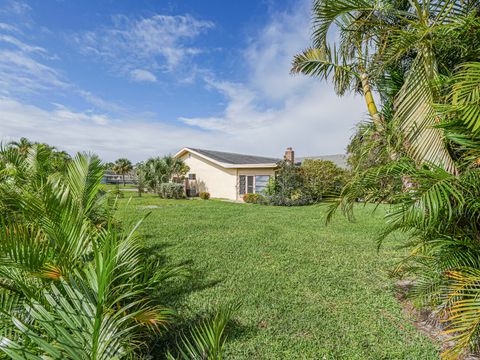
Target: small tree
122, 167
141, 178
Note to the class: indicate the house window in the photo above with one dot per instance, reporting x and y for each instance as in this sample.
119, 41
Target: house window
250, 184
261, 182
241, 184
192, 176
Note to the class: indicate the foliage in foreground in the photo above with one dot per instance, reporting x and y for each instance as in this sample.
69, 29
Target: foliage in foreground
74, 283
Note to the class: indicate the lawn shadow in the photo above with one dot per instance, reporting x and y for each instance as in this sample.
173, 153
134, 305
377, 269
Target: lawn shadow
186, 279
173, 294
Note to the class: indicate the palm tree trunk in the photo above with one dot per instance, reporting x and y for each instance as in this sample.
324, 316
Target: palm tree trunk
371, 106
123, 178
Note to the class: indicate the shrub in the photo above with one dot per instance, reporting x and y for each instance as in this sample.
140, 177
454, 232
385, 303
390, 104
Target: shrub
322, 178
287, 188
278, 200
255, 199
171, 191
204, 195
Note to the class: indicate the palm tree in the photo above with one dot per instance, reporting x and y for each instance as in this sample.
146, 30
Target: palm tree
122, 167
176, 168
23, 145
376, 35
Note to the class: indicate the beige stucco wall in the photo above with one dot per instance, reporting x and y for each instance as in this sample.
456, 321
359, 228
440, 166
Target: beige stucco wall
218, 181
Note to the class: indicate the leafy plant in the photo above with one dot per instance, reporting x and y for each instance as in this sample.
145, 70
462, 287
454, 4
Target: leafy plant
162, 170
73, 284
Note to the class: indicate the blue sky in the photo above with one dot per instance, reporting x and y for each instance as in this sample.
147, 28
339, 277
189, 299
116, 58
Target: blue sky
143, 78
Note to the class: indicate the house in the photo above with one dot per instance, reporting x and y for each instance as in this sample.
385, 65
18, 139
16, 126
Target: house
227, 175
230, 175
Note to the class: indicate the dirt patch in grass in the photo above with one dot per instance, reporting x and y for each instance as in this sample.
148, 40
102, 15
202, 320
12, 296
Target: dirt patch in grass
427, 321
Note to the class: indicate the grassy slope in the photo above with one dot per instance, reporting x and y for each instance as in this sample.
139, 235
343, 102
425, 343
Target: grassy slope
308, 291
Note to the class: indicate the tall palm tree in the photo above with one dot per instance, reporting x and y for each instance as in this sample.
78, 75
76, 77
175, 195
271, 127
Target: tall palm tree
122, 167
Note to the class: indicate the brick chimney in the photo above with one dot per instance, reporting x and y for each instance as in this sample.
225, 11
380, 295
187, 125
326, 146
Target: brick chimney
289, 155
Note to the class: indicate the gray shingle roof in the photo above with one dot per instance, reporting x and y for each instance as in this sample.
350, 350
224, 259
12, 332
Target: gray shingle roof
338, 159
235, 159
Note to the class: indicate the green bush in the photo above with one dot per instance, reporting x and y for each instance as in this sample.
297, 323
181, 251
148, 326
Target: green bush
255, 199
171, 191
287, 188
295, 201
322, 178
204, 195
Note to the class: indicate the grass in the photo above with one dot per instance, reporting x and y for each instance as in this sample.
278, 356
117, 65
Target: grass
308, 291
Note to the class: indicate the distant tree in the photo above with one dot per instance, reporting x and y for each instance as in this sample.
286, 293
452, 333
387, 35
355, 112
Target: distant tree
109, 166
288, 186
122, 167
155, 173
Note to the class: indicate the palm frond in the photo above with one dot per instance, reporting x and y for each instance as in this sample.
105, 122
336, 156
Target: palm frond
206, 340
324, 64
418, 118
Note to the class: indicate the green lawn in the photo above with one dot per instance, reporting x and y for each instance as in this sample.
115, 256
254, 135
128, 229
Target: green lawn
308, 291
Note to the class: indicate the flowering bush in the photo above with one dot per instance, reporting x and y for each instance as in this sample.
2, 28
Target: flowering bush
254, 199
204, 195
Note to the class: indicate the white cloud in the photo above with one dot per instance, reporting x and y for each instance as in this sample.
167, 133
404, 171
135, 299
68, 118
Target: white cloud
21, 73
16, 7
159, 42
21, 45
8, 27
267, 112
84, 131
272, 108
142, 75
